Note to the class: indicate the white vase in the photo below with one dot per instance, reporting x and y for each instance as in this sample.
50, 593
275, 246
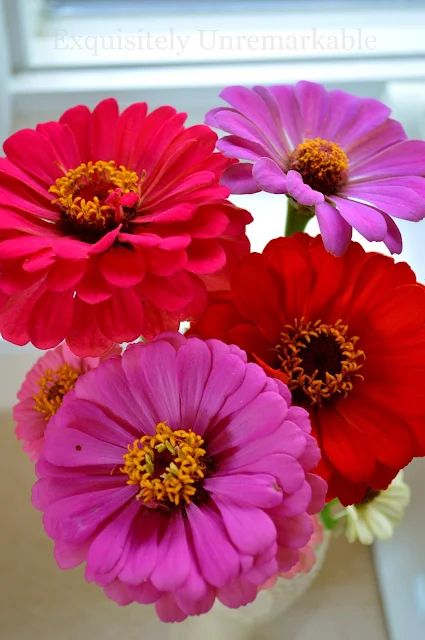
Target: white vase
222, 623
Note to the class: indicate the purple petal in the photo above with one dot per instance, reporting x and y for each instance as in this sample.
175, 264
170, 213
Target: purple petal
395, 200
238, 178
50, 489
301, 192
370, 113
290, 112
109, 550
336, 232
403, 159
314, 103
250, 104
69, 555
237, 124
366, 220
262, 572
174, 558
236, 147
269, 176
311, 455
218, 560
393, 239
195, 587
387, 134
258, 490
343, 108
250, 529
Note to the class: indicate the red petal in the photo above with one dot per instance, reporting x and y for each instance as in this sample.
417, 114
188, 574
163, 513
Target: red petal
34, 154
165, 263
78, 119
121, 317
103, 132
205, 256
85, 338
129, 125
50, 319
14, 314
122, 267
65, 274
62, 139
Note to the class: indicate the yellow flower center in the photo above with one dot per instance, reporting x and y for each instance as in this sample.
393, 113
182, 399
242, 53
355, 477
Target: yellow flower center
322, 164
168, 466
91, 197
53, 386
319, 359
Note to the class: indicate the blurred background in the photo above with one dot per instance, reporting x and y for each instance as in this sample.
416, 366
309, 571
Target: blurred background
58, 53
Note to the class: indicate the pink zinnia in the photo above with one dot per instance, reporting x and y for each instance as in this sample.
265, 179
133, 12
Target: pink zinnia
111, 227
307, 558
180, 474
340, 155
42, 393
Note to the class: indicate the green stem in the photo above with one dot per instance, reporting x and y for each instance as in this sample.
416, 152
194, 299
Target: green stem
297, 217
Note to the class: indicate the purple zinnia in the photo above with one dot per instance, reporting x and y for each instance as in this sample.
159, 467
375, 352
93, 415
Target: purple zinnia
336, 153
180, 474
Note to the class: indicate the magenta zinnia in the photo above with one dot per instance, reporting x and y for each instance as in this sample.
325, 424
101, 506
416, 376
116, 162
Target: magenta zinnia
112, 226
339, 155
180, 474
43, 391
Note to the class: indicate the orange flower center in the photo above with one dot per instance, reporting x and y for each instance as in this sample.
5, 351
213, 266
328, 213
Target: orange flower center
322, 164
168, 466
95, 197
319, 360
54, 384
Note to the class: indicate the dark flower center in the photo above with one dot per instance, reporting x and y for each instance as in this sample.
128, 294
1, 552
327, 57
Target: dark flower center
322, 164
319, 360
370, 496
96, 197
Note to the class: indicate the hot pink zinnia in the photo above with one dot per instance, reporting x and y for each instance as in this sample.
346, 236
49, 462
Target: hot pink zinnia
111, 227
338, 154
180, 474
42, 393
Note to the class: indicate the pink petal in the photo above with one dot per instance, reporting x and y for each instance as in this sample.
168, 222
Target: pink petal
33, 154
260, 490
237, 593
250, 529
237, 147
193, 370
294, 532
143, 554
319, 489
65, 274
174, 558
393, 239
301, 192
298, 502
290, 112
269, 176
74, 448
217, 559
107, 553
168, 610
195, 607
336, 232
171, 294
288, 471
395, 200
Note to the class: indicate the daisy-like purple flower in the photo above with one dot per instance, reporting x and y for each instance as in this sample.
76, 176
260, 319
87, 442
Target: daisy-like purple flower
338, 154
180, 474
43, 390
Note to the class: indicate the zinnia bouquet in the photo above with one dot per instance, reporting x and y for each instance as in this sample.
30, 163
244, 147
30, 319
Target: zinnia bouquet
186, 469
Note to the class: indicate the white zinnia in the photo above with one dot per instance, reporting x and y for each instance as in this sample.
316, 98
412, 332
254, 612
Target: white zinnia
378, 517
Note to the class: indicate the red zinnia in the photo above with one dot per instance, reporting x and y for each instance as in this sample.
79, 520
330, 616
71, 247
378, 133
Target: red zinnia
111, 226
348, 335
